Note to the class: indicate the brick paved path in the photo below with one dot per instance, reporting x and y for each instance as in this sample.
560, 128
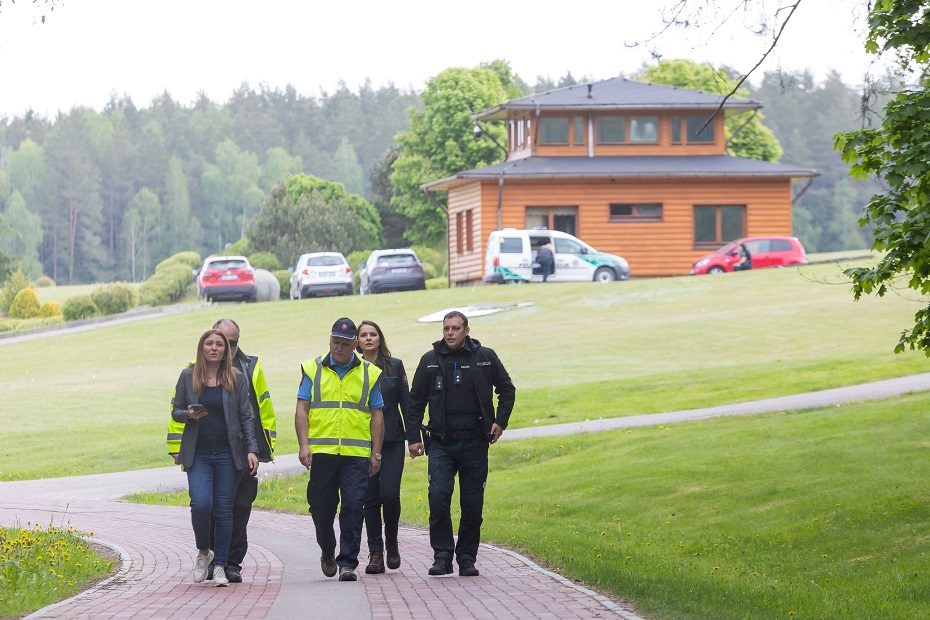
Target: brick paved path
282, 572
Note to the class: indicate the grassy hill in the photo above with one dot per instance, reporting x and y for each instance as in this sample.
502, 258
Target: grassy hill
580, 351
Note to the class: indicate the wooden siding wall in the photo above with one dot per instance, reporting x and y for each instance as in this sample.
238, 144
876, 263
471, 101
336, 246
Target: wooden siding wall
469, 266
661, 248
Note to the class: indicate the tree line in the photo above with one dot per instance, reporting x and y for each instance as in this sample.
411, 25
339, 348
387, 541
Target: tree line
105, 195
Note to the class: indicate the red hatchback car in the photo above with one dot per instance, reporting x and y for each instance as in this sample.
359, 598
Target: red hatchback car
763, 251
226, 277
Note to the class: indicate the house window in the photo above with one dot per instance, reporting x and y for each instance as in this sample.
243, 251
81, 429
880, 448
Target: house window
553, 218
700, 128
459, 237
611, 129
521, 136
553, 130
676, 130
511, 135
621, 212
578, 130
715, 225
469, 236
644, 129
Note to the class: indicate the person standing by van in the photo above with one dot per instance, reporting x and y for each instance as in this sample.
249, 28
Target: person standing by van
545, 256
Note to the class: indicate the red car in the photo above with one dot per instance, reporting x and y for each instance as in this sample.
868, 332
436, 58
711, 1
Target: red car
763, 252
227, 277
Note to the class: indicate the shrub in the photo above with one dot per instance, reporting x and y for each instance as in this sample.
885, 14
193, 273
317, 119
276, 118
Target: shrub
190, 258
114, 298
434, 283
6, 326
17, 281
25, 305
357, 262
50, 309
167, 284
284, 279
429, 271
80, 307
429, 256
43, 282
264, 260
239, 248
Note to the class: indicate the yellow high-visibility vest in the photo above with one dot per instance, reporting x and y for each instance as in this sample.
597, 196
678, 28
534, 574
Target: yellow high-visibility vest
340, 419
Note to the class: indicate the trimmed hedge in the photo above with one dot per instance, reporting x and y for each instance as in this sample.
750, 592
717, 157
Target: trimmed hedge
17, 325
191, 259
50, 309
43, 282
115, 297
167, 284
284, 279
264, 260
434, 283
79, 307
25, 305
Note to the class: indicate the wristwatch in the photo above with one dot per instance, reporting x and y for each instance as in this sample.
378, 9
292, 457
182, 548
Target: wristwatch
377, 455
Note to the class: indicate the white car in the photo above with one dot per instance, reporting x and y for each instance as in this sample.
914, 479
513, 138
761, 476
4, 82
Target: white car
321, 273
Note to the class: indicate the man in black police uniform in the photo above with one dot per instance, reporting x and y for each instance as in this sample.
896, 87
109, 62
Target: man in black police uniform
456, 379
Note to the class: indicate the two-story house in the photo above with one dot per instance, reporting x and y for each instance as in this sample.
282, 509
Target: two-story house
634, 169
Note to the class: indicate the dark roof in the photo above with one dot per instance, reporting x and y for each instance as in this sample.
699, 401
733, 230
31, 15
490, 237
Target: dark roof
680, 166
617, 94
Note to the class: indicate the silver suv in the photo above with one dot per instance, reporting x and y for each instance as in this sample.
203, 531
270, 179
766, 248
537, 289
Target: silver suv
392, 270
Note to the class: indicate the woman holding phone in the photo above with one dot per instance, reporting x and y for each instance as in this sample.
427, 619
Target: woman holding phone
383, 493
212, 400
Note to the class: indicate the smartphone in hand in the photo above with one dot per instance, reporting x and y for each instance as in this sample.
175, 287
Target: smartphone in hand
198, 408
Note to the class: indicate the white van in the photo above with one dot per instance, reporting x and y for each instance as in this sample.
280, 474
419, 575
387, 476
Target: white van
511, 257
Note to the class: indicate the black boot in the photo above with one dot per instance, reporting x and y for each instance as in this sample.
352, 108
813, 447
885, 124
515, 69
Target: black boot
375, 563
393, 555
441, 567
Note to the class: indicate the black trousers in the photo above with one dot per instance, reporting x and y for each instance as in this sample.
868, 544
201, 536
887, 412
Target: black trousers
246, 492
338, 479
469, 459
384, 494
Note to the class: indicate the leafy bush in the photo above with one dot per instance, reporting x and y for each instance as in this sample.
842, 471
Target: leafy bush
50, 309
79, 307
190, 259
25, 305
167, 284
434, 283
284, 279
114, 298
43, 282
264, 260
429, 270
239, 248
430, 256
21, 325
17, 281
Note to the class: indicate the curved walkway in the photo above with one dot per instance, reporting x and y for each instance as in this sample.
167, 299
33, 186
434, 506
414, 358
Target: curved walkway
282, 572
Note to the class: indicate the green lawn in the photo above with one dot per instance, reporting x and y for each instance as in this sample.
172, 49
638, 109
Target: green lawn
581, 351
816, 514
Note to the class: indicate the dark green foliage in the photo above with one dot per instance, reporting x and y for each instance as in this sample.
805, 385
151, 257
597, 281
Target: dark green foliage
306, 214
167, 284
80, 307
114, 298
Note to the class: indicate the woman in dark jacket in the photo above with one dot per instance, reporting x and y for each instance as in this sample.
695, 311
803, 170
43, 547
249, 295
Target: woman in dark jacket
212, 400
384, 487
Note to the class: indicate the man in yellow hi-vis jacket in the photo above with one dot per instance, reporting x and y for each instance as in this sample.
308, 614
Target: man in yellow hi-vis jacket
263, 418
340, 428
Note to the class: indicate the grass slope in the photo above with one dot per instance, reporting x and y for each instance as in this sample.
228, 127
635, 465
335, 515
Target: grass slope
816, 514
98, 401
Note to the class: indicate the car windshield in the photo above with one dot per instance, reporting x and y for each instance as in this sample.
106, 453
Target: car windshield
221, 265
728, 247
389, 260
325, 261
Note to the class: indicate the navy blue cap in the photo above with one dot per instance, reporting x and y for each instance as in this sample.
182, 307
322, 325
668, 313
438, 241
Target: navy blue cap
345, 328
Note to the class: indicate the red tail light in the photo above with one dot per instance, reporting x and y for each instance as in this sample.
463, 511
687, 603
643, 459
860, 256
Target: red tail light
497, 261
348, 269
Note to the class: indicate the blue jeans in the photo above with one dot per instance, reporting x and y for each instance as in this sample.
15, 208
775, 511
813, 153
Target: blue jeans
211, 484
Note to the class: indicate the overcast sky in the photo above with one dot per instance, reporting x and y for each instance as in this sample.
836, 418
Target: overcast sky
90, 49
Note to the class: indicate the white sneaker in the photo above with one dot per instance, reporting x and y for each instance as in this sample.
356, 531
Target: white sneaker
219, 577
201, 564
